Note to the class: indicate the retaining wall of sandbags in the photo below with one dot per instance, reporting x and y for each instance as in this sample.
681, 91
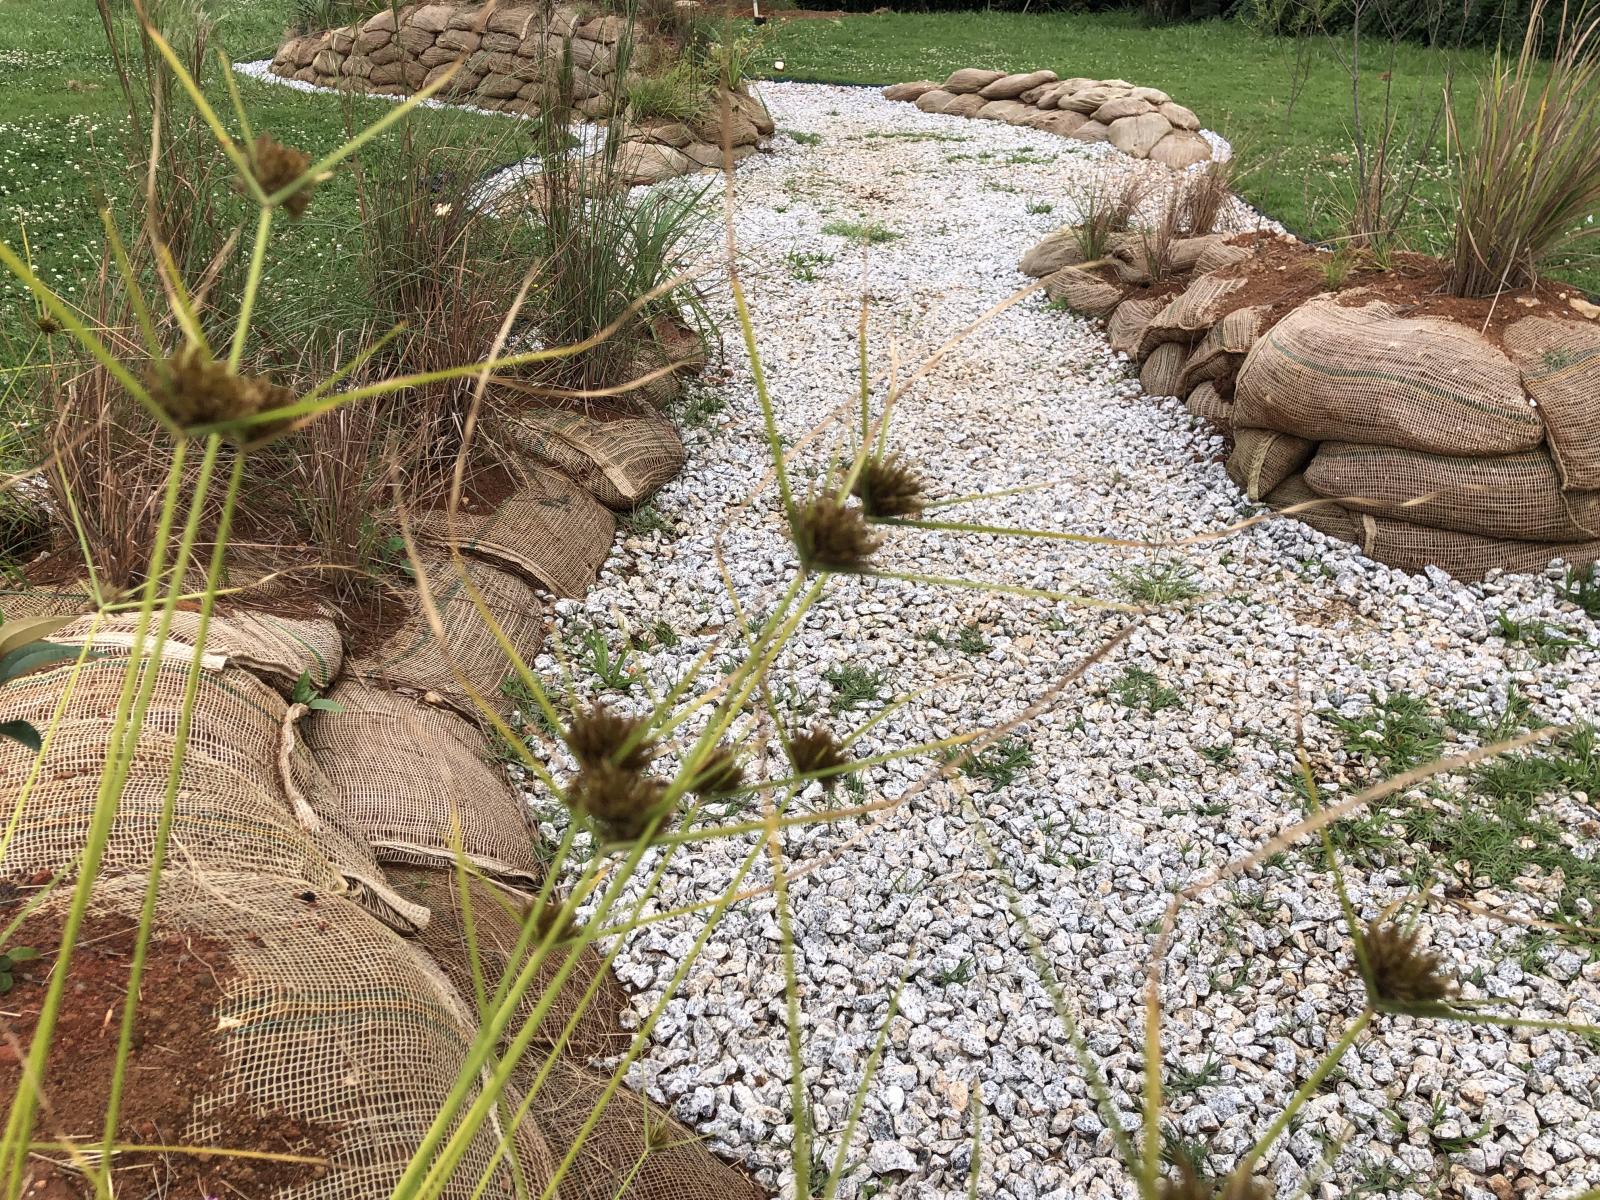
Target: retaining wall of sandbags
1143, 122
507, 57
1420, 439
314, 848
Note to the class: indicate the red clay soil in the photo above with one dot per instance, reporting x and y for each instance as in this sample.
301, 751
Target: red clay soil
173, 1062
1284, 274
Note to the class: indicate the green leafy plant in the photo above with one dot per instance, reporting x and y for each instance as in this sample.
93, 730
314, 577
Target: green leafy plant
10, 960
23, 649
872, 233
307, 693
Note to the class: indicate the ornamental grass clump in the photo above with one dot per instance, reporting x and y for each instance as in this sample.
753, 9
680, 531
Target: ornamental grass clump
1528, 168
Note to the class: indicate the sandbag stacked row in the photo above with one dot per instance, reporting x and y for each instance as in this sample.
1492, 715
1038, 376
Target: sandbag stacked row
308, 915
1442, 447
1144, 122
508, 58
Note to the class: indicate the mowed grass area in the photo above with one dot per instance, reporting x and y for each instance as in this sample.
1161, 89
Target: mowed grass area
64, 152
1292, 133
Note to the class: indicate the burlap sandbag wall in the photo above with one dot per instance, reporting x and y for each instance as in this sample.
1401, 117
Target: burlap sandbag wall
312, 855
1422, 439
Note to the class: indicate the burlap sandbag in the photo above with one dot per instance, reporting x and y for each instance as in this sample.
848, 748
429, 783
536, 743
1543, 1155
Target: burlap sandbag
1262, 459
549, 531
1413, 548
1560, 362
19, 603
635, 1151
325, 1017
622, 461
1516, 496
1222, 351
279, 649
1331, 373
412, 777
1137, 253
1082, 291
412, 660
1463, 555
1161, 371
1059, 249
249, 797
1188, 316
1220, 254
1321, 514
498, 916
1208, 404
1127, 322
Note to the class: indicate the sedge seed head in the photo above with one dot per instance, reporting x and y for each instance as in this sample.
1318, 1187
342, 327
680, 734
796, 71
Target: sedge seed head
547, 918
600, 737
815, 750
831, 536
1401, 972
889, 487
621, 802
275, 166
47, 324
195, 389
720, 776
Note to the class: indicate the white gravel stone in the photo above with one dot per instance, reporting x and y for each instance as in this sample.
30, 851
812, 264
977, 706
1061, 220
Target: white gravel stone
1122, 802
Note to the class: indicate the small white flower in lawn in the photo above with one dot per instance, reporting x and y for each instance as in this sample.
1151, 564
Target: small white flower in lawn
778, 65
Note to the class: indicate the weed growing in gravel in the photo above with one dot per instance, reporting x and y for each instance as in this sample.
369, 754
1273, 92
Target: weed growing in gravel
871, 233
1158, 583
646, 519
971, 640
1581, 586
802, 137
853, 686
1039, 208
1139, 688
1546, 642
803, 264
1002, 764
1399, 731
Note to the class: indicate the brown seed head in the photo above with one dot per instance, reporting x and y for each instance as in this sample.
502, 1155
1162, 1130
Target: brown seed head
547, 917
276, 166
888, 487
47, 324
831, 536
817, 750
195, 389
598, 737
1401, 973
619, 801
721, 775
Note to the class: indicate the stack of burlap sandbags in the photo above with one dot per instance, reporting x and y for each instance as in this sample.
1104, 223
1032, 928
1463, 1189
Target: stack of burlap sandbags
1144, 122
506, 57
1441, 446
310, 911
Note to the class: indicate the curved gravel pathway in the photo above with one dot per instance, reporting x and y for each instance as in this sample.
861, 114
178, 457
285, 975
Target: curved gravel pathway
1172, 757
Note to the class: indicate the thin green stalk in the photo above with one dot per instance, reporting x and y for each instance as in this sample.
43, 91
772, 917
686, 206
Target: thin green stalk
169, 804
24, 1108
252, 285
800, 1110
1304, 1092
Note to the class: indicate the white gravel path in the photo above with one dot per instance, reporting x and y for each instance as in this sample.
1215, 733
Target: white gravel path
1120, 805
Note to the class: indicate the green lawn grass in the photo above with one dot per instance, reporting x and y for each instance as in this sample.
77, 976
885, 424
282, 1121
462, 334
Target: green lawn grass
1295, 143
63, 154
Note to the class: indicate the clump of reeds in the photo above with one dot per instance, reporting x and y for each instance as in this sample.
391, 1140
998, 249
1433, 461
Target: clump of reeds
1528, 168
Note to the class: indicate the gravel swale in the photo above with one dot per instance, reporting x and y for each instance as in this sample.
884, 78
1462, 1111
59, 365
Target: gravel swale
1170, 758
